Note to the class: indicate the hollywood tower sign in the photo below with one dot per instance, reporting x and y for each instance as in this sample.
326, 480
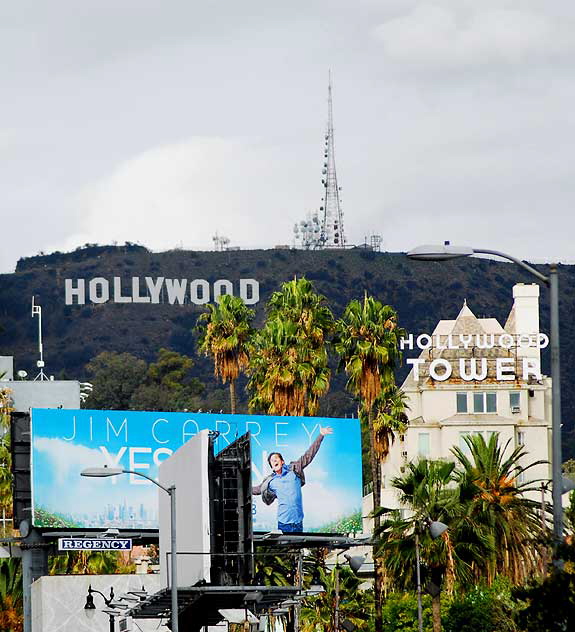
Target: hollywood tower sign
155, 290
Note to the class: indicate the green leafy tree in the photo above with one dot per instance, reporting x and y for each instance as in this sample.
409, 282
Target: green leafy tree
168, 384
123, 382
289, 360
225, 333
482, 609
548, 604
569, 513
399, 613
367, 341
115, 377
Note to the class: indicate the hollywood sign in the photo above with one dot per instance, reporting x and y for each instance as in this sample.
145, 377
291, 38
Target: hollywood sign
155, 290
476, 369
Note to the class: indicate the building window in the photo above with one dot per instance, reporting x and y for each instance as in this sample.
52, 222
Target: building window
514, 401
423, 444
463, 444
461, 402
520, 437
484, 402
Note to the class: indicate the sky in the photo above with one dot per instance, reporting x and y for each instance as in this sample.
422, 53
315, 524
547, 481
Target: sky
164, 123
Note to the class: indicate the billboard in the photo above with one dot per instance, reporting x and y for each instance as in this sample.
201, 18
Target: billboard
64, 442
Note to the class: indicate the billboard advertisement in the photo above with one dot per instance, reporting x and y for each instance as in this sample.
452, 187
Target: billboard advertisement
319, 457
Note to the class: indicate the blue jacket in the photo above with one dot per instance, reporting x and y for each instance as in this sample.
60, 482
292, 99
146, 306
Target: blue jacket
268, 496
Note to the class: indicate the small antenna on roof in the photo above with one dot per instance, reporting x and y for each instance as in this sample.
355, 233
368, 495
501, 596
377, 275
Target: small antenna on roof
37, 311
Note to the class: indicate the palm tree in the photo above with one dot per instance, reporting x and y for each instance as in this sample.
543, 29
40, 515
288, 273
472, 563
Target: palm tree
489, 486
272, 569
11, 595
5, 457
426, 489
278, 377
317, 614
289, 370
225, 336
367, 341
89, 563
388, 418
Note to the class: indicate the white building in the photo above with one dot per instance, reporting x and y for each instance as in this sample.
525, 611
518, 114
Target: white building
475, 376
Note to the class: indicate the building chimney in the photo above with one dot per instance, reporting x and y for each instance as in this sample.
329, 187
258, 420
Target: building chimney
524, 316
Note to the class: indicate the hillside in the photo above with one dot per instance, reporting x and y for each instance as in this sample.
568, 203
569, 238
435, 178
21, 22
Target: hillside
421, 292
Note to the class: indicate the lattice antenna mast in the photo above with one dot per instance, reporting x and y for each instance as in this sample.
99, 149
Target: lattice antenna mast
332, 229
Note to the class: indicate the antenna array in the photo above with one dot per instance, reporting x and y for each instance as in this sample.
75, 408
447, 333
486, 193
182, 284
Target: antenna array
325, 229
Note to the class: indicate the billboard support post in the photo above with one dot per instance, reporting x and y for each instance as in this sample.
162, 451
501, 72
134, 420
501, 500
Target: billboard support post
103, 472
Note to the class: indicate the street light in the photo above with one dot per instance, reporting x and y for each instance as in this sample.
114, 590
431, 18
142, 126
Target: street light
445, 252
103, 472
355, 564
90, 607
435, 528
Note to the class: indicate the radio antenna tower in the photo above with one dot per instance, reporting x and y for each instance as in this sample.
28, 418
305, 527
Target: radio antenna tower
37, 311
332, 229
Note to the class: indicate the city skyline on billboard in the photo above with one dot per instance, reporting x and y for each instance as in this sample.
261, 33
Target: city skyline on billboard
64, 442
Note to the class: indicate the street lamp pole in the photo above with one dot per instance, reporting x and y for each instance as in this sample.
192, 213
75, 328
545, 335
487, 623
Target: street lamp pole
336, 609
435, 528
445, 252
102, 472
418, 572
90, 607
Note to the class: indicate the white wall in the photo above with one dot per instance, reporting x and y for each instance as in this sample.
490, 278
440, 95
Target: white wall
187, 469
27, 394
58, 601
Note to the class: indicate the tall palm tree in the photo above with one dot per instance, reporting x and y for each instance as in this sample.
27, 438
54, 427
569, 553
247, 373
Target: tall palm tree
289, 371
225, 331
489, 485
278, 377
367, 341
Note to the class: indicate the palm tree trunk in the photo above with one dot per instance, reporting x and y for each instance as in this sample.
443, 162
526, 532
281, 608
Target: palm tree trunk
376, 495
436, 612
233, 396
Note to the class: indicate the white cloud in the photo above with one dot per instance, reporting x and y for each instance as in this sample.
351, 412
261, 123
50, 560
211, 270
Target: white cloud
69, 492
323, 504
436, 35
182, 194
67, 459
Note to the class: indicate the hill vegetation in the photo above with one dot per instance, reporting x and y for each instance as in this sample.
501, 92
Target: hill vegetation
422, 293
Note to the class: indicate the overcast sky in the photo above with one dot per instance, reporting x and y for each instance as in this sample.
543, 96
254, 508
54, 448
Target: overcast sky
165, 122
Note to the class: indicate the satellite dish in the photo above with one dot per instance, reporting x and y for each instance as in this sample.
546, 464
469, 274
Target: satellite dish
22, 374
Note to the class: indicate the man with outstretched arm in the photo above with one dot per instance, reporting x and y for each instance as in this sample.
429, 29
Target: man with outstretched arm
285, 483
